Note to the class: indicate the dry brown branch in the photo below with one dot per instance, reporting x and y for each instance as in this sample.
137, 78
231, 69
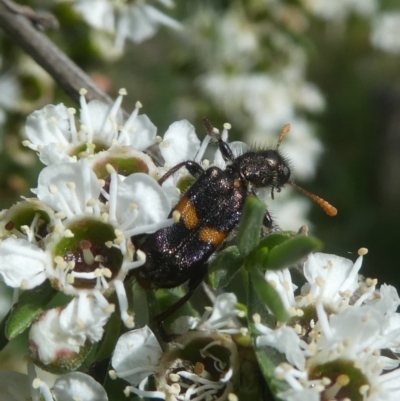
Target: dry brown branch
64, 71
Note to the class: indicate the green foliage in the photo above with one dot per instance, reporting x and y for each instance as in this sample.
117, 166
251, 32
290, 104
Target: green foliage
275, 251
224, 267
250, 224
29, 306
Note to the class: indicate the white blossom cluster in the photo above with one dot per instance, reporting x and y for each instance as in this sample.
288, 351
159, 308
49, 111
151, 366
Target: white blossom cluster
126, 19
98, 189
385, 33
10, 90
260, 100
344, 333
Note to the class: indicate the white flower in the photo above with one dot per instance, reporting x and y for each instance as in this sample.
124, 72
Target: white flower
77, 385
137, 21
52, 131
58, 336
10, 91
15, 386
285, 340
289, 213
386, 32
340, 9
84, 318
222, 317
272, 101
331, 279
141, 206
84, 262
22, 264
265, 98
69, 188
300, 141
338, 328
179, 373
49, 343
88, 253
136, 355
10, 94
136, 204
345, 358
180, 143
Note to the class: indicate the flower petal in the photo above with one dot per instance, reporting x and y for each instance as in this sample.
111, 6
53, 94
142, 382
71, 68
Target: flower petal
180, 143
14, 386
144, 133
49, 125
78, 386
83, 317
54, 187
152, 204
47, 341
136, 355
21, 262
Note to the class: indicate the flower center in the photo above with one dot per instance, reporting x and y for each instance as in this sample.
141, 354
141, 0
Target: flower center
86, 257
343, 381
27, 220
201, 372
123, 165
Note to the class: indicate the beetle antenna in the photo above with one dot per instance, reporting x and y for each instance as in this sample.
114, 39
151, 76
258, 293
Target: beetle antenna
211, 130
284, 132
208, 125
326, 206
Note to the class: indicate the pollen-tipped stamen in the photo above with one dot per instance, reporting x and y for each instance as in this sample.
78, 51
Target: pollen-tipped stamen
123, 304
341, 381
87, 254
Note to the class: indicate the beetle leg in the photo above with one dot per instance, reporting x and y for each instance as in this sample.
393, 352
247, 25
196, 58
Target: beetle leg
267, 219
225, 150
223, 146
193, 283
194, 169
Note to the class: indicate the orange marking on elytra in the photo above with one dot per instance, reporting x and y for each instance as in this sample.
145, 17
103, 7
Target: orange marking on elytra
188, 213
212, 236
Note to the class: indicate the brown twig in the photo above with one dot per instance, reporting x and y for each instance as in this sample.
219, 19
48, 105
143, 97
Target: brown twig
40, 20
64, 71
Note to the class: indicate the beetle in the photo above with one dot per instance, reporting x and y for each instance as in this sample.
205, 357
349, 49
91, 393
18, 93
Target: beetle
206, 214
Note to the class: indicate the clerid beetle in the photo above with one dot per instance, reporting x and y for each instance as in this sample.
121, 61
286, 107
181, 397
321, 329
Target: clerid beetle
207, 213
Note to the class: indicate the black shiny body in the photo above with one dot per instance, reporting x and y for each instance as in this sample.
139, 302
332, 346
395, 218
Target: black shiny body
209, 211
175, 253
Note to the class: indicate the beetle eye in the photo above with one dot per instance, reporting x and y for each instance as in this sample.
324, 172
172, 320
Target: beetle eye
286, 171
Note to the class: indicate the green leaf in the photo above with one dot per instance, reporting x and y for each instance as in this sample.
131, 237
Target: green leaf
287, 253
267, 294
3, 338
115, 389
268, 358
275, 239
67, 363
224, 267
112, 331
29, 306
250, 224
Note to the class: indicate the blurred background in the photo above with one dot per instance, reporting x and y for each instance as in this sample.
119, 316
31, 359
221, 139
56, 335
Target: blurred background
329, 68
